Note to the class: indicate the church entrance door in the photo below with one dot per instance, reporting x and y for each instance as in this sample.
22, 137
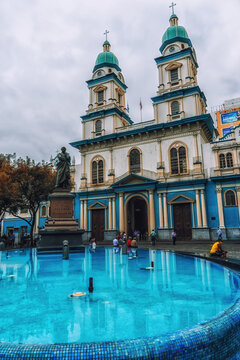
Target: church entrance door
137, 218
98, 225
182, 221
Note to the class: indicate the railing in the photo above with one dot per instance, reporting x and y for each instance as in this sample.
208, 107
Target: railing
135, 126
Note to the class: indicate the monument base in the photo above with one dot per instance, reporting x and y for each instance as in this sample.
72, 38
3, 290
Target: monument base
52, 240
61, 225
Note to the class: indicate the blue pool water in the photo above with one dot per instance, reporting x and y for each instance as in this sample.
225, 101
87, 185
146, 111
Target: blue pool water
127, 302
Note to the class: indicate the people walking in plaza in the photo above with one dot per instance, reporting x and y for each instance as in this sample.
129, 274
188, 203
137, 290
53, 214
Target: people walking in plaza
217, 250
134, 247
129, 247
219, 234
115, 245
174, 236
153, 237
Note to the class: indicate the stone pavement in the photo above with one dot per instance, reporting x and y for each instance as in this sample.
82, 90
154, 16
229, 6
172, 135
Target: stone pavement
203, 248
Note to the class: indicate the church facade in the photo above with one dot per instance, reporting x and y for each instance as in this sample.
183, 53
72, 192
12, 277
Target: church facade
171, 172
168, 173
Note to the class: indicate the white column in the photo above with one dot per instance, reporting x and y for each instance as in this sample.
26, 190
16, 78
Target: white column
151, 212
85, 215
81, 215
199, 218
165, 210
114, 213
121, 228
160, 210
110, 214
204, 214
220, 206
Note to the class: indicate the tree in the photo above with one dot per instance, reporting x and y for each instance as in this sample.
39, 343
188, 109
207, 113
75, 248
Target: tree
33, 184
8, 189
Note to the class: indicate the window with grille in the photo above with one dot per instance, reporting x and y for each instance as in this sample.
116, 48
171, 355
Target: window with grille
175, 107
174, 75
43, 211
98, 127
135, 161
100, 97
97, 171
229, 160
230, 198
222, 161
225, 161
178, 160
174, 161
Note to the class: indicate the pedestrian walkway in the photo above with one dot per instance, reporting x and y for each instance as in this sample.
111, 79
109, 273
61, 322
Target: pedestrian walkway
202, 250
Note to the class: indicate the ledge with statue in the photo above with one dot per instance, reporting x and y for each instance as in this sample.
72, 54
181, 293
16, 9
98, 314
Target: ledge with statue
61, 224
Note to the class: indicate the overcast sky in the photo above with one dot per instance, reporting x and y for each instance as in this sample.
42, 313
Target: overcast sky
48, 49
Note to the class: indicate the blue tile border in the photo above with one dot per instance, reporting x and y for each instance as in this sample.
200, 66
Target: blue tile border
216, 339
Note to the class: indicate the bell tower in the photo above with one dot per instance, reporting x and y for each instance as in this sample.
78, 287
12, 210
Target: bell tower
107, 96
178, 94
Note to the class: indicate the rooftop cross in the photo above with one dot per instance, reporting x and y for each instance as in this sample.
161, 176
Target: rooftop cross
106, 32
172, 6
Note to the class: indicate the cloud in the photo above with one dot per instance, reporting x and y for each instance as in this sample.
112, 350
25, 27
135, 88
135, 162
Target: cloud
48, 51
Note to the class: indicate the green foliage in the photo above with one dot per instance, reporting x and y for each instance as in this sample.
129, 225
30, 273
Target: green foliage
24, 184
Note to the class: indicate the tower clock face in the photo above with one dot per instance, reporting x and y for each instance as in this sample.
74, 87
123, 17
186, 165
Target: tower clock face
171, 49
99, 73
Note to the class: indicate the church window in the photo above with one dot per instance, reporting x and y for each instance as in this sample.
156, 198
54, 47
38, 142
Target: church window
175, 107
225, 161
97, 171
98, 127
229, 160
43, 211
222, 161
174, 75
100, 97
135, 161
178, 160
230, 198
119, 99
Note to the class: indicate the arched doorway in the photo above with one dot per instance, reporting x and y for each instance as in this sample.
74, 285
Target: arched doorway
137, 215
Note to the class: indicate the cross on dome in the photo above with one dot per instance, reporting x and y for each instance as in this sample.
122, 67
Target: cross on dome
106, 33
172, 6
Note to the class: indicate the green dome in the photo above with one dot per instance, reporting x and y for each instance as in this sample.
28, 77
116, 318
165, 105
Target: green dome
106, 57
173, 32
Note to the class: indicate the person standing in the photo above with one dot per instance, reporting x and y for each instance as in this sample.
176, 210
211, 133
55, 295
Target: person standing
219, 234
174, 236
115, 245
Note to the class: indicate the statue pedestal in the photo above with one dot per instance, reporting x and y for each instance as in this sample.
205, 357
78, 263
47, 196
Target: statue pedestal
61, 225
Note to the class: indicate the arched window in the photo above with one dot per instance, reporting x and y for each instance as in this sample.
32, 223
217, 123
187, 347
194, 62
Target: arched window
178, 160
230, 198
98, 127
175, 107
43, 211
229, 160
134, 159
222, 161
97, 171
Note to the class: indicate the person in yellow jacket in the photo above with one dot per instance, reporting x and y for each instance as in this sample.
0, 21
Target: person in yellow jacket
217, 250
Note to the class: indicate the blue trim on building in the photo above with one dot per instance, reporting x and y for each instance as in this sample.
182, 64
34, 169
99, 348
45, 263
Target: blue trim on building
173, 40
106, 64
104, 113
179, 54
206, 118
179, 93
106, 78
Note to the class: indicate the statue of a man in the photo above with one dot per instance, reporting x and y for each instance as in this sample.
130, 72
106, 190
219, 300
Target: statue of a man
63, 162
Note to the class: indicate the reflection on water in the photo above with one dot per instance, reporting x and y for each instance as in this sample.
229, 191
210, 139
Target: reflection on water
127, 302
